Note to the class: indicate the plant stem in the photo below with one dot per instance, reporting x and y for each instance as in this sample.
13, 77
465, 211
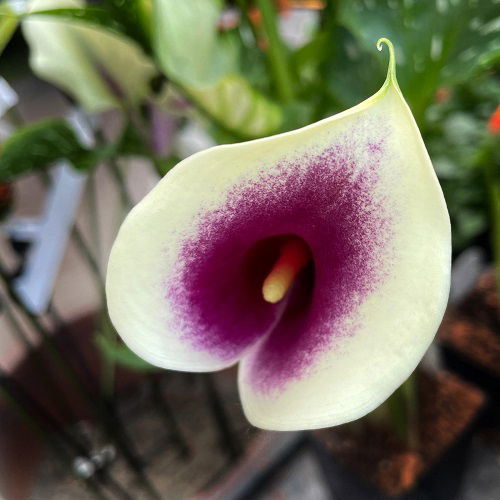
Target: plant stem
88, 256
277, 55
487, 160
126, 200
244, 13
409, 392
493, 187
94, 219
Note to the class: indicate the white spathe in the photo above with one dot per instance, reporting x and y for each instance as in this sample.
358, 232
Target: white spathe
395, 323
74, 55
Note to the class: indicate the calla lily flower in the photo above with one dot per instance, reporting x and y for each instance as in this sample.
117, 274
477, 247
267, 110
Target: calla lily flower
318, 259
100, 69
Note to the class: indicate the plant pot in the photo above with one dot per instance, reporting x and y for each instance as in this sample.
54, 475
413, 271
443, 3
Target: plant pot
470, 342
367, 461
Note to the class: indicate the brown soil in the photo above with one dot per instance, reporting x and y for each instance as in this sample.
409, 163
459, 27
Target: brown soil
447, 405
473, 327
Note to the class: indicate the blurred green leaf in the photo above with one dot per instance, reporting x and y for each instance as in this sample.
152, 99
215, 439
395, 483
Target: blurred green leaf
467, 225
96, 66
335, 69
186, 42
37, 146
437, 42
135, 16
164, 165
114, 15
129, 143
121, 355
233, 104
91, 15
8, 25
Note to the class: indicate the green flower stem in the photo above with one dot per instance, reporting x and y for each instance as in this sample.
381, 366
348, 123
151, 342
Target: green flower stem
125, 197
493, 187
126, 200
409, 391
400, 412
89, 258
94, 219
244, 13
486, 160
276, 52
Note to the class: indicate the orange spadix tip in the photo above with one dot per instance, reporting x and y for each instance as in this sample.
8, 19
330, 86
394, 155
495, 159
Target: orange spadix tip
293, 258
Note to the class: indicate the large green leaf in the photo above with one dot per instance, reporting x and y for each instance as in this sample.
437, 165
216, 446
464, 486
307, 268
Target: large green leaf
438, 42
203, 64
8, 25
135, 17
113, 15
35, 147
233, 104
99, 68
186, 41
92, 15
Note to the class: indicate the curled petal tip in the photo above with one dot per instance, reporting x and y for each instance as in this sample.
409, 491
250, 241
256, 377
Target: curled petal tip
391, 71
382, 40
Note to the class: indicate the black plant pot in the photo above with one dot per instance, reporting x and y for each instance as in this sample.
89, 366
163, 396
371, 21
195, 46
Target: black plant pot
443, 480
365, 462
479, 376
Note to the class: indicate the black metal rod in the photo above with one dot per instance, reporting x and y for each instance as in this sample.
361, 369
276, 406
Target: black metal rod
26, 401
113, 428
43, 368
117, 431
18, 402
166, 412
227, 435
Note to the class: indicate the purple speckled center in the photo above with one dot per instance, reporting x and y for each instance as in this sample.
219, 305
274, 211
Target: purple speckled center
326, 200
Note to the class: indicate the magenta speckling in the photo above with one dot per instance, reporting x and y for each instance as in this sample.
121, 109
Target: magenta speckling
326, 200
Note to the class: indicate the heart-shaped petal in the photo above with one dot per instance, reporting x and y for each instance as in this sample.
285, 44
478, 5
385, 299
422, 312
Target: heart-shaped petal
358, 191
